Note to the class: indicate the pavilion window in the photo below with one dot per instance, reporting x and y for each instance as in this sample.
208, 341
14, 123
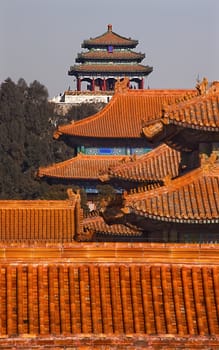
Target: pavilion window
110, 49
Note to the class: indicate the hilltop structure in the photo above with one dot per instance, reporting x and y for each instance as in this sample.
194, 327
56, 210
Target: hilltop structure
106, 59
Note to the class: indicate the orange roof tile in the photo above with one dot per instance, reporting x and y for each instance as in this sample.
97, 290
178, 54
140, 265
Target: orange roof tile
200, 113
192, 198
98, 302
40, 220
152, 166
122, 117
81, 167
109, 38
105, 55
95, 225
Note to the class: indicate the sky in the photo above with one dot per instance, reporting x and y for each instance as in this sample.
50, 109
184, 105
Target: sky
40, 39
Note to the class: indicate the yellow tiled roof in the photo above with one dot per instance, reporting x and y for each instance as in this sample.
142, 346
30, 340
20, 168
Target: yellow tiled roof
39, 220
200, 114
81, 167
190, 198
43, 300
124, 115
152, 166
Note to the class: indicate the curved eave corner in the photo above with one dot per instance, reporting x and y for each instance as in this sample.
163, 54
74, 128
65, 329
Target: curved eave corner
57, 134
153, 130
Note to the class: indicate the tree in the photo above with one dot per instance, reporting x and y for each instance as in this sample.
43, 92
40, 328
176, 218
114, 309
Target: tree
26, 139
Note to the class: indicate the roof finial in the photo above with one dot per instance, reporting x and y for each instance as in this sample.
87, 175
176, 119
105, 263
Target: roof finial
110, 27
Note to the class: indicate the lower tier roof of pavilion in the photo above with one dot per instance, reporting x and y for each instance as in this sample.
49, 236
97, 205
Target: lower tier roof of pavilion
186, 124
82, 167
95, 295
120, 122
151, 167
108, 69
190, 199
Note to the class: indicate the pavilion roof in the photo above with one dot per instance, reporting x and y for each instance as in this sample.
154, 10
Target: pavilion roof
109, 38
110, 68
192, 198
110, 56
100, 304
82, 166
151, 166
123, 115
40, 220
197, 114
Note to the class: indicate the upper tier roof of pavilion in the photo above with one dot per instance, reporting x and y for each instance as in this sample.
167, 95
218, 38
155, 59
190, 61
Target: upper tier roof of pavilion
123, 116
194, 120
110, 38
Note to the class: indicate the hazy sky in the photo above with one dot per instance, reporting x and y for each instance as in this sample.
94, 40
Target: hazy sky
40, 39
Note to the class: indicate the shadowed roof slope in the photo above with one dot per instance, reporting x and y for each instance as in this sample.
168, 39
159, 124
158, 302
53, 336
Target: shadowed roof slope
95, 224
123, 116
152, 166
81, 167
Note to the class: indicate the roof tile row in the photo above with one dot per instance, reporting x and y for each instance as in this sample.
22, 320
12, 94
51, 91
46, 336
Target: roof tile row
81, 167
109, 299
152, 166
39, 220
191, 198
200, 112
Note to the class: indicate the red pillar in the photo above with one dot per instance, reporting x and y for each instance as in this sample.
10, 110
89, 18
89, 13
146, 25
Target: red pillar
78, 84
104, 84
93, 85
141, 85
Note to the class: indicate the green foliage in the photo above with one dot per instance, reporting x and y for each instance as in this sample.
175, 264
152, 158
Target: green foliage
26, 141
